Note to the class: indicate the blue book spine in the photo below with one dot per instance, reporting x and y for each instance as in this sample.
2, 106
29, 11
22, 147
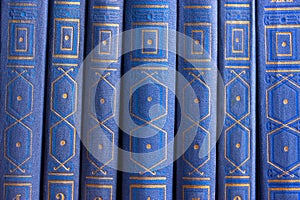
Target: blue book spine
100, 111
149, 99
22, 69
237, 63
278, 90
63, 94
196, 93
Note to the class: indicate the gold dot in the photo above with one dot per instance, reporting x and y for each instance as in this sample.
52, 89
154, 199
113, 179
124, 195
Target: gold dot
62, 143
149, 42
67, 37
238, 145
286, 149
100, 146
148, 146
285, 101
197, 42
237, 40
18, 144
149, 99
19, 98
238, 98
102, 101
196, 100
104, 42
21, 39
148, 198
65, 95
283, 44
196, 146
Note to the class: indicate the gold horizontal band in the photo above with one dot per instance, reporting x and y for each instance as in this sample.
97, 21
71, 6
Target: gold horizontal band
147, 178
283, 181
284, 63
284, 189
196, 7
283, 26
151, 6
237, 177
104, 69
100, 178
66, 64
66, 2
237, 5
237, 67
284, 8
196, 179
197, 69
238, 185
199, 23
99, 186
107, 7
284, 70
60, 174
22, 4
20, 66
150, 68
17, 176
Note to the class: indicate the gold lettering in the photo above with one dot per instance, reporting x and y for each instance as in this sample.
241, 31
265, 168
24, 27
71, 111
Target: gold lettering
196, 199
60, 196
98, 198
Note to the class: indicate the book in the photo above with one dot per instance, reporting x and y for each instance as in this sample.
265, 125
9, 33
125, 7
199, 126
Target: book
278, 99
102, 73
63, 95
197, 104
237, 63
22, 77
148, 99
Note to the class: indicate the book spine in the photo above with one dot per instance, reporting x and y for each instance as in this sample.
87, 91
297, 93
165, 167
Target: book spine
196, 92
63, 94
148, 113
22, 69
100, 131
237, 64
279, 87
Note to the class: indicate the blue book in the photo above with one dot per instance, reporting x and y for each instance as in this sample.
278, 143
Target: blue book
196, 93
102, 71
278, 99
63, 95
237, 63
148, 99
22, 77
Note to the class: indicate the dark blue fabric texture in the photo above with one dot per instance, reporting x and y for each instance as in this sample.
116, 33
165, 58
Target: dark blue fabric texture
237, 143
22, 77
150, 83
278, 100
63, 100
102, 71
196, 111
